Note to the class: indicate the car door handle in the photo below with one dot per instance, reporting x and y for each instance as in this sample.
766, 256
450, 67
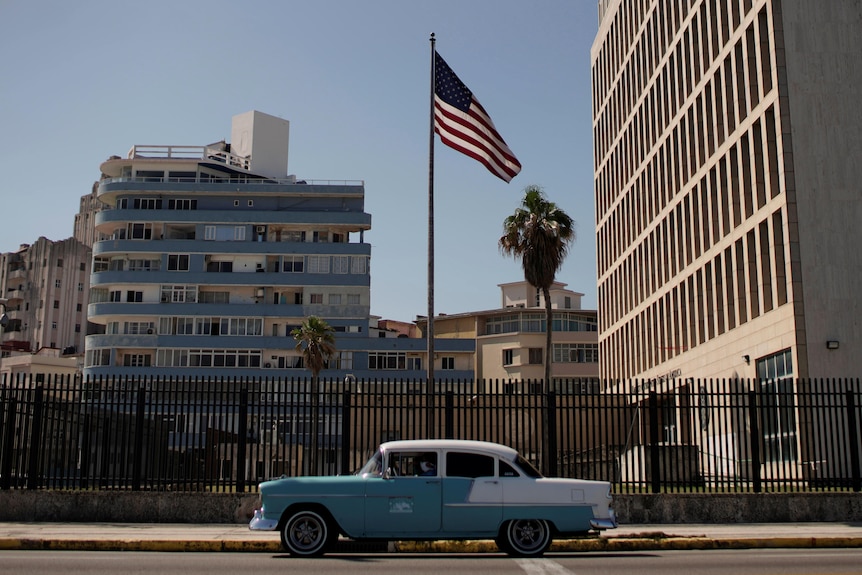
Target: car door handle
494, 482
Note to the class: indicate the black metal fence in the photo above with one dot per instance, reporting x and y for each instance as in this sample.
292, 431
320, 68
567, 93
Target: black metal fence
229, 434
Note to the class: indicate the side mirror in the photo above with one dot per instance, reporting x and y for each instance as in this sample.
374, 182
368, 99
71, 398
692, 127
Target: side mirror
389, 473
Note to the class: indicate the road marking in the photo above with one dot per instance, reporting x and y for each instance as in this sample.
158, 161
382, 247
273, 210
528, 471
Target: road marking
542, 567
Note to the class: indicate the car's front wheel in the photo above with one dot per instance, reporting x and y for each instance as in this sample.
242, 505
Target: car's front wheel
526, 537
306, 533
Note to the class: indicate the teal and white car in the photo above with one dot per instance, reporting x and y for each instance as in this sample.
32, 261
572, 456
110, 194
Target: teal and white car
434, 489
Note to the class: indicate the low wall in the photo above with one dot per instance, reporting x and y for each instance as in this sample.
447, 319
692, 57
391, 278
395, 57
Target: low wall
160, 507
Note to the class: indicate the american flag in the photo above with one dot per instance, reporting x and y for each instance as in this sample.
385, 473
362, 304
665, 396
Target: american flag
464, 125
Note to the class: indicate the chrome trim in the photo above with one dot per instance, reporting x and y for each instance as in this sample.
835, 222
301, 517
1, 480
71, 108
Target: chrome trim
609, 523
258, 523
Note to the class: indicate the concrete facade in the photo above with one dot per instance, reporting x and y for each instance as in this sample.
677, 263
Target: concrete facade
206, 257
510, 340
46, 285
727, 188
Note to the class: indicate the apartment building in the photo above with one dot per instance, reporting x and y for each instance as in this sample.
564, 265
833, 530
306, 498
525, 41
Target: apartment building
510, 340
206, 257
727, 188
45, 284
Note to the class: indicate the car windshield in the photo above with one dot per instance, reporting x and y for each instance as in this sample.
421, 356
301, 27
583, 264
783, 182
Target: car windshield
527, 467
374, 467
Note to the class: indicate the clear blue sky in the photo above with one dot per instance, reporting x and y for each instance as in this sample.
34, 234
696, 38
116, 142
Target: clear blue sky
82, 81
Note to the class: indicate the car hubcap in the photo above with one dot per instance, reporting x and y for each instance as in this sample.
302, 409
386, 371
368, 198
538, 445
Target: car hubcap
306, 533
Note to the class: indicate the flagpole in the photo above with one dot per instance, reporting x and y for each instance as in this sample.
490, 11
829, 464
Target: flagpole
430, 330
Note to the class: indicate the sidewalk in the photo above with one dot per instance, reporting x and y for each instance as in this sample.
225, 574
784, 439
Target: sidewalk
232, 537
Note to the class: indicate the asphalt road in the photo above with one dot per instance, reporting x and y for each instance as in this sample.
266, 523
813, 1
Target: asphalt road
746, 562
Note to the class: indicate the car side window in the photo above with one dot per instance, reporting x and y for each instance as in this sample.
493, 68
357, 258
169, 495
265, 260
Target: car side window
507, 470
413, 464
469, 465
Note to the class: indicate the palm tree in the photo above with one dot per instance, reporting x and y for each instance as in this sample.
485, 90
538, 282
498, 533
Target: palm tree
539, 233
316, 340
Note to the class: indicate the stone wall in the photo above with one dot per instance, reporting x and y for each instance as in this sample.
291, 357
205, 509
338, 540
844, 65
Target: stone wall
150, 507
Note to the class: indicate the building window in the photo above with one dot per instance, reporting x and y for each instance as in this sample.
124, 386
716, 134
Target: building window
178, 294
53, 326
59, 262
138, 327
536, 355
384, 360
77, 328
335, 299
340, 264
141, 232
293, 264
183, 205
134, 296
209, 233
56, 283
316, 298
137, 360
342, 360
779, 412
56, 304
508, 356
359, 264
242, 326
448, 363
353, 299
239, 233
576, 353
178, 262
97, 357
318, 264
80, 286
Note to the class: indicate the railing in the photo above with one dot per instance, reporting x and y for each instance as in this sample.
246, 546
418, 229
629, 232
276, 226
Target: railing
230, 434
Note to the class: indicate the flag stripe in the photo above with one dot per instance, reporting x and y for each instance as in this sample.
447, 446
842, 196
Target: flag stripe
464, 125
463, 138
477, 122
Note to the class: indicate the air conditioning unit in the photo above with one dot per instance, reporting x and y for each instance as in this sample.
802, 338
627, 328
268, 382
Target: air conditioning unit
150, 331
260, 229
267, 365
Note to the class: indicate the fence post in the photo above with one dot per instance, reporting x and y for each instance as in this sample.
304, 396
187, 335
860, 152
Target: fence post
8, 445
755, 441
553, 455
654, 454
450, 415
35, 440
346, 440
853, 441
137, 464
242, 438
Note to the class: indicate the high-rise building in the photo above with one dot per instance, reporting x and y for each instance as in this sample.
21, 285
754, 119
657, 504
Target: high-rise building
727, 140
45, 285
206, 257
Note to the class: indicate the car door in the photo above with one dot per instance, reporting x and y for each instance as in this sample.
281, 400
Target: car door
472, 494
402, 502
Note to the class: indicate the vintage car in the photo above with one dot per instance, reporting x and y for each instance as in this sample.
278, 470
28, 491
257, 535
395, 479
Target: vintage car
434, 489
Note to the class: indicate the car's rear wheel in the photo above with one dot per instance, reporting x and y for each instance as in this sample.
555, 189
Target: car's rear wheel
306, 533
527, 537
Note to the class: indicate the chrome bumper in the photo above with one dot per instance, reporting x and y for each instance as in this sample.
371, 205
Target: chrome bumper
609, 523
258, 523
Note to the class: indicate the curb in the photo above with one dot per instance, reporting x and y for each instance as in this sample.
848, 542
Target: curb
599, 544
